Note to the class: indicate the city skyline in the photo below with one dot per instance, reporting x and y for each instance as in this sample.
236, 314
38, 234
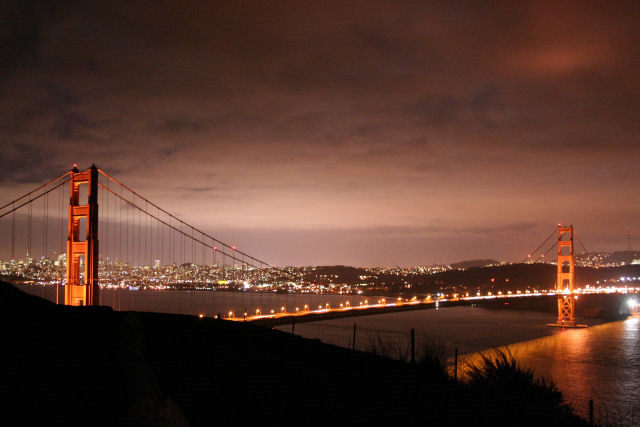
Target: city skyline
361, 134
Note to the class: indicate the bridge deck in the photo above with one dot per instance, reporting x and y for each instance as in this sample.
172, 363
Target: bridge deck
328, 314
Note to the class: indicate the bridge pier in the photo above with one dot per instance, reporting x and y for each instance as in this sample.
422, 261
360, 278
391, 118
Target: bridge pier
565, 280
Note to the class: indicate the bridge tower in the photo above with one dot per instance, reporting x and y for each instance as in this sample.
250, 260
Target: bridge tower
565, 280
82, 245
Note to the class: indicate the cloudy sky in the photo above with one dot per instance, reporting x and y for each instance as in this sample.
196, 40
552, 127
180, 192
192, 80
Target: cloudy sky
333, 132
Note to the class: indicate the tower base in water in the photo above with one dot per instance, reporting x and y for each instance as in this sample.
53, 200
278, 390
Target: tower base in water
566, 325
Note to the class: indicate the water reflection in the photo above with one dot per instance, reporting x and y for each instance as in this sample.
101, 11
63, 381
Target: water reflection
600, 363
208, 303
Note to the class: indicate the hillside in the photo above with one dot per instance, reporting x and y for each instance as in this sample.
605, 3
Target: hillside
474, 263
505, 277
512, 277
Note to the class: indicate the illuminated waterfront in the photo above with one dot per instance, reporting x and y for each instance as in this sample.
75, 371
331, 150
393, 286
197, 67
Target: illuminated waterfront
207, 303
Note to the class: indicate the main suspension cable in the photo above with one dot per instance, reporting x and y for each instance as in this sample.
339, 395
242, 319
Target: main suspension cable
36, 190
184, 234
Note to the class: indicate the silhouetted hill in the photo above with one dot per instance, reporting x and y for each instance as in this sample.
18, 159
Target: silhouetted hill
474, 263
520, 277
94, 366
495, 277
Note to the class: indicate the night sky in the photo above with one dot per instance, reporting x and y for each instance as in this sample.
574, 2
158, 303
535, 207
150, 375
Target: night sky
363, 133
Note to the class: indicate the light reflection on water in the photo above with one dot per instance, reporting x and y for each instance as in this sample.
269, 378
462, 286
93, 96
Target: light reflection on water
600, 363
208, 303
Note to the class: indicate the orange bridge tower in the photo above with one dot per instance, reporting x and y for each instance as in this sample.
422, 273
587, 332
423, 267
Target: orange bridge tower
82, 245
565, 280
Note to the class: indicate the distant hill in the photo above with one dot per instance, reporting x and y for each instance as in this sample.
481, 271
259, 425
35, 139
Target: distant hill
474, 263
496, 277
521, 277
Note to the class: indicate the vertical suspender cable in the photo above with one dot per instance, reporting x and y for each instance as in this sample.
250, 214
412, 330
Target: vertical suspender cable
139, 252
152, 246
29, 229
13, 234
162, 243
60, 205
172, 253
126, 208
146, 225
131, 231
46, 221
120, 227
108, 220
100, 196
158, 237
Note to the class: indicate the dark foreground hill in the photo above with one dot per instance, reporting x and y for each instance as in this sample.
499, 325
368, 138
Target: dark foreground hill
94, 366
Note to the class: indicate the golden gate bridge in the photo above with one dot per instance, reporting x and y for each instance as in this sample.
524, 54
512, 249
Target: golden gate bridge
108, 225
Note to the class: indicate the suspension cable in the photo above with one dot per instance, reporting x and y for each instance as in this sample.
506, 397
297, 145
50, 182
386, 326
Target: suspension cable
176, 218
528, 258
584, 250
37, 189
13, 209
184, 234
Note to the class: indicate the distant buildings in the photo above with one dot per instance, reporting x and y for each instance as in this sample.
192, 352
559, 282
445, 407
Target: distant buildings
317, 279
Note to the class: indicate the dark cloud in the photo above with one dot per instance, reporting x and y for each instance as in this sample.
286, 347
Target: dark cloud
24, 163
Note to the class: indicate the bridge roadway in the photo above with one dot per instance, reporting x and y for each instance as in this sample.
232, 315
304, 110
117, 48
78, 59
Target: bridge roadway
382, 307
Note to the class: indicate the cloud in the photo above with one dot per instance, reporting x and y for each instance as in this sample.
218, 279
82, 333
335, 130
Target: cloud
371, 117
